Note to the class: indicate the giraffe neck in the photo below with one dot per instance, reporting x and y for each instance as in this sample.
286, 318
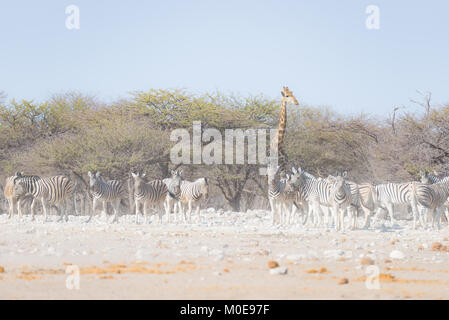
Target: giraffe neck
282, 123
282, 157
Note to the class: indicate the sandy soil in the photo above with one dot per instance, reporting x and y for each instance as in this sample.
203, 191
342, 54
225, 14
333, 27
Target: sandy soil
225, 256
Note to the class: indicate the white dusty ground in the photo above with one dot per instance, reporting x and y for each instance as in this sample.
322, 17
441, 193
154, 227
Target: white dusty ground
224, 257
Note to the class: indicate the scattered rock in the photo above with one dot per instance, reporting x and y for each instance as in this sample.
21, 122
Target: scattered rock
2, 270
323, 270
272, 264
396, 254
279, 270
437, 246
387, 261
366, 261
343, 281
394, 241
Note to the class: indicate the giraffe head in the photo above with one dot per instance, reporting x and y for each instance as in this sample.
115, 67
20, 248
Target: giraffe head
288, 96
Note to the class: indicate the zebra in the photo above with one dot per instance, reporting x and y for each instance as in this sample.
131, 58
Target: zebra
276, 187
428, 197
13, 199
149, 193
334, 194
174, 190
312, 193
192, 193
389, 194
340, 200
368, 200
355, 198
53, 190
105, 191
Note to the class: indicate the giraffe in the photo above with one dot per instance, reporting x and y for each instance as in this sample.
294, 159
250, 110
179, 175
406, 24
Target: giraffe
287, 97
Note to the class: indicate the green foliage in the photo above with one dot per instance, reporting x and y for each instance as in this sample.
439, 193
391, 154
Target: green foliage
72, 133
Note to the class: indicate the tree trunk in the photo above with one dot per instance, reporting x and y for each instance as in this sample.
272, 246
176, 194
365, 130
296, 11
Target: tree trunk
235, 203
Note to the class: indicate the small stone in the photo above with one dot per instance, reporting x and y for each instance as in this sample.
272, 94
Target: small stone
279, 270
273, 264
343, 281
396, 254
2, 270
366, 261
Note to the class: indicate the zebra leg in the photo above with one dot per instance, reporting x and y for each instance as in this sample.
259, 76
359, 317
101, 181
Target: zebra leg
94, 202
33, 203
292, 214
145, 213
416, 214
116, 205
273, 210
137, 210
446, 214
390, 209
367, 214
19, 209
12, 202
167, 207
105, 209
190, 210
44, 207
197, 212
437, 216
422, 212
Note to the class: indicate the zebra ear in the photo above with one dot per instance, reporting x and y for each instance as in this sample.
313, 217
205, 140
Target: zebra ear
18, 174
206, 180
345, 174
98, 174
134, 175
294, 170
172, 172
288, 177
89, 174
143, 175
180, 172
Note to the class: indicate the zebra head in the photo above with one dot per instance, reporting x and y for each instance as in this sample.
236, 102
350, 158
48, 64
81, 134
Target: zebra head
93, 179
273, 174
292, 182
19, 187
204, 187
138, 179
425, 178
175, 183
339, 185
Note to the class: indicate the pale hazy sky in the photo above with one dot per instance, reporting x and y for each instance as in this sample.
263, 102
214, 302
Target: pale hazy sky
321, 49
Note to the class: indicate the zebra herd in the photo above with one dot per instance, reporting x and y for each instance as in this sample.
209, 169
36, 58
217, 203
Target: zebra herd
58, 190
303, 195
300, 196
